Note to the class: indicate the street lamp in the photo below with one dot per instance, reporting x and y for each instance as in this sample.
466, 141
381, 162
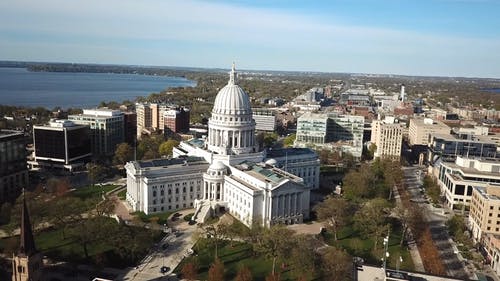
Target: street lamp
398, 263
386, 252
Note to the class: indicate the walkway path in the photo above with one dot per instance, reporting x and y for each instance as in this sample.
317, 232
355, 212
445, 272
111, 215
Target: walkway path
414, 253
178, 246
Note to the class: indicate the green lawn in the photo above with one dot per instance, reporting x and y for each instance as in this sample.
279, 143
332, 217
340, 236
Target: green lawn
92, 191
351, 241
160, 218
122, 194
233, 257
51, 243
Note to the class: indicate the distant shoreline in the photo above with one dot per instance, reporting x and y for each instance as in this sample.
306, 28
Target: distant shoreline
492, 90
71, 89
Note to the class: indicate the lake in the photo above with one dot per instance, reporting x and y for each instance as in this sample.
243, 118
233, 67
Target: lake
21, 87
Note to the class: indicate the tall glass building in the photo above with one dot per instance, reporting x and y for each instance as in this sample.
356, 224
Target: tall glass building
13, 168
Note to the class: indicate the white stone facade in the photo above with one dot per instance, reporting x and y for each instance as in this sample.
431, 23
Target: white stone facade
226, 171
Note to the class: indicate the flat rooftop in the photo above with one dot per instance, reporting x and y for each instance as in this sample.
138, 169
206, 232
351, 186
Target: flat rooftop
266, 173
372, 273
197, 142
482, 190
455, 138
283, 152
10, 133
160, 163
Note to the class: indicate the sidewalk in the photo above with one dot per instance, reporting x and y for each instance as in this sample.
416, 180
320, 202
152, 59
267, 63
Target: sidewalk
414, 253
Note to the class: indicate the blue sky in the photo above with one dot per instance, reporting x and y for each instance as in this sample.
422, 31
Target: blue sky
419, 37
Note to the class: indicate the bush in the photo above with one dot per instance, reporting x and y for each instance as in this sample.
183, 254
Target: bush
188, 217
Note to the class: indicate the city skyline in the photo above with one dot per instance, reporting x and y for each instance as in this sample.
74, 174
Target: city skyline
431, 38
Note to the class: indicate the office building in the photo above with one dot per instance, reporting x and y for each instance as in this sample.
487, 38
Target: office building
106, 129
421, 129
13, 168
447, 147
130, 127
265, 119
387, 135
484, 215
332, 131
176, 121
458, 178
150, 117
61, 144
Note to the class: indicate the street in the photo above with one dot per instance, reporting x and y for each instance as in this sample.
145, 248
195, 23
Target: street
169, 253
436, 218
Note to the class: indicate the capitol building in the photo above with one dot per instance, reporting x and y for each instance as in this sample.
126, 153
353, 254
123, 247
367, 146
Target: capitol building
226, 171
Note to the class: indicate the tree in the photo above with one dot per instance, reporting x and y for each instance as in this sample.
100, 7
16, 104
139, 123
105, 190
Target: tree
62, 187
5, 212
216, 271
274, 243
270, 139
303, 255
336, 264
166, 147
190, 271
289, 140
273, 277
334, 212
216, 233
65, 211
244, 274
403, 215
357, 184
123, 153
95, 172
370, 219
148, 147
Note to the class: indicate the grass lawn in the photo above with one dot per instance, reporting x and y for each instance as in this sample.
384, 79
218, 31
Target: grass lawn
122, 194
92, 191
161, 218
51, 243
233, 257
351, 241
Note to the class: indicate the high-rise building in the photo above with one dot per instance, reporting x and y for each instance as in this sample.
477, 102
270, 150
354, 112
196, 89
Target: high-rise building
484, 215
176, 121
130, 127
331, 130
387, 135
447, 147
265, 119
421, 129
27, 263
13, 168
457, 179
106, 129
61, 144
150, 117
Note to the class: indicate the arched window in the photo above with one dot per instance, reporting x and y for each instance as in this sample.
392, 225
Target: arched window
169, 192
154, 193
184, 189
177, 190
162, 192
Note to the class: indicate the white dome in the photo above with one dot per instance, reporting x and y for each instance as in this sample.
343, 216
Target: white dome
231, 99
217, 166
271, 162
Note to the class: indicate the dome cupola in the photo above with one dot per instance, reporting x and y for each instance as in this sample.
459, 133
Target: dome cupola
232, 99
231, 128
